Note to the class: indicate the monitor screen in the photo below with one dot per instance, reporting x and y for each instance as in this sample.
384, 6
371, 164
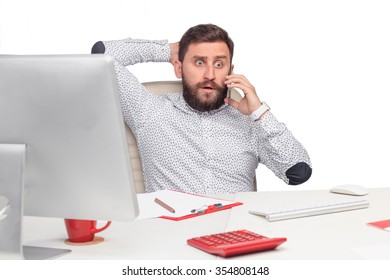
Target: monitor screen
65, 109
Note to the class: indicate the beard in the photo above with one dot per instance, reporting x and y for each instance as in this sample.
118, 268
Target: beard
203, 101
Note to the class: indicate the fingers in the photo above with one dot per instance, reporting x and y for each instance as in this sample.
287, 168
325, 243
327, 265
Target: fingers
174, 52
241, 82
250, 100
232, 102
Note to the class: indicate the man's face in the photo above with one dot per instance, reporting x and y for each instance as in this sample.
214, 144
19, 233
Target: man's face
203, 73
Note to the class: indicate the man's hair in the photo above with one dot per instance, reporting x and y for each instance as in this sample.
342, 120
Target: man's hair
204, 33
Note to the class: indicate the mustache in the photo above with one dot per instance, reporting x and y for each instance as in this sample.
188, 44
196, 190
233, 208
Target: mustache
208, 84
211, 84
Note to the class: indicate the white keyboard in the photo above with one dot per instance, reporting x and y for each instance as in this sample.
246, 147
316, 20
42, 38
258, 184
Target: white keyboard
311, 208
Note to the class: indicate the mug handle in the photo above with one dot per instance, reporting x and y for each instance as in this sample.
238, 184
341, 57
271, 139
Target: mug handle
96, 230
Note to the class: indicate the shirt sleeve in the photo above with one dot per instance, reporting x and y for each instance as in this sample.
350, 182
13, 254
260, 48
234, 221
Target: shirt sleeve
135, 100
131, 51
281, 152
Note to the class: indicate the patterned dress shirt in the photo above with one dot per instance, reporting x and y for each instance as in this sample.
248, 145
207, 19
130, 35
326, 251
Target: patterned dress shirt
198, 152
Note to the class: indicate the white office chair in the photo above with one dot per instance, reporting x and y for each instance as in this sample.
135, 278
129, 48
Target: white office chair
158, 88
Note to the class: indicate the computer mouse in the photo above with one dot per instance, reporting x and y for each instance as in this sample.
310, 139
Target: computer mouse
350, 190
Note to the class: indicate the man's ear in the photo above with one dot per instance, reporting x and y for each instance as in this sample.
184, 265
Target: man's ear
178, 69
231, 69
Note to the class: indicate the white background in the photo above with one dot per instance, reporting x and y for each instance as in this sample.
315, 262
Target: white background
322, 66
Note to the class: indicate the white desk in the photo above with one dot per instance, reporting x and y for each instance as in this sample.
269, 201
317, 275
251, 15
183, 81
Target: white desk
343, 235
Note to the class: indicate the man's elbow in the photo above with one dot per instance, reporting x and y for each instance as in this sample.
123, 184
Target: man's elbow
299, 173
98, 47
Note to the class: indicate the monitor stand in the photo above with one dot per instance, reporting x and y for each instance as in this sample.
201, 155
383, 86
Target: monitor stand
12, 162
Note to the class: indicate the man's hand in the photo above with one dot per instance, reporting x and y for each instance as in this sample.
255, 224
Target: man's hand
250, 102
174, 53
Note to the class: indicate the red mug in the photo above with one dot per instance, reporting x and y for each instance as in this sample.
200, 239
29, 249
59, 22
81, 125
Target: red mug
83, 230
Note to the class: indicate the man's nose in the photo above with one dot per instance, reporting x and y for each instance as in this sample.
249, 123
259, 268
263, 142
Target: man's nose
209, 72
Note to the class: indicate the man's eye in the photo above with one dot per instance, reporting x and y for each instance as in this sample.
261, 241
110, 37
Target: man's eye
199, 62
218, 64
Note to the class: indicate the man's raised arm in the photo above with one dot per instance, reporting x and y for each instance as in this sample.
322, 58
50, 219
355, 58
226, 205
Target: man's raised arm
132, 51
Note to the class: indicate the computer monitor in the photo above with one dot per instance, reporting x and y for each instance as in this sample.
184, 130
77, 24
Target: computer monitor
63, 148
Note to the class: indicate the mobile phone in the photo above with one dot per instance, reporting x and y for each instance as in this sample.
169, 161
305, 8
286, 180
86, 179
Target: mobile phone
229, 91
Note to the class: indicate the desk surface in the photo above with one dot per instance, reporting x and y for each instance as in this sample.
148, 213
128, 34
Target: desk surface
343, 235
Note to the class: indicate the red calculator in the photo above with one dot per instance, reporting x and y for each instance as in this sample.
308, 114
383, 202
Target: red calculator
235, 243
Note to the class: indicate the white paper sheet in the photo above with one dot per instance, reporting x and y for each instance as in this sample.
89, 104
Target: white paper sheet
183, 204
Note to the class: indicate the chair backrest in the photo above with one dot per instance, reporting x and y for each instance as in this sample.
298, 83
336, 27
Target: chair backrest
157, 88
